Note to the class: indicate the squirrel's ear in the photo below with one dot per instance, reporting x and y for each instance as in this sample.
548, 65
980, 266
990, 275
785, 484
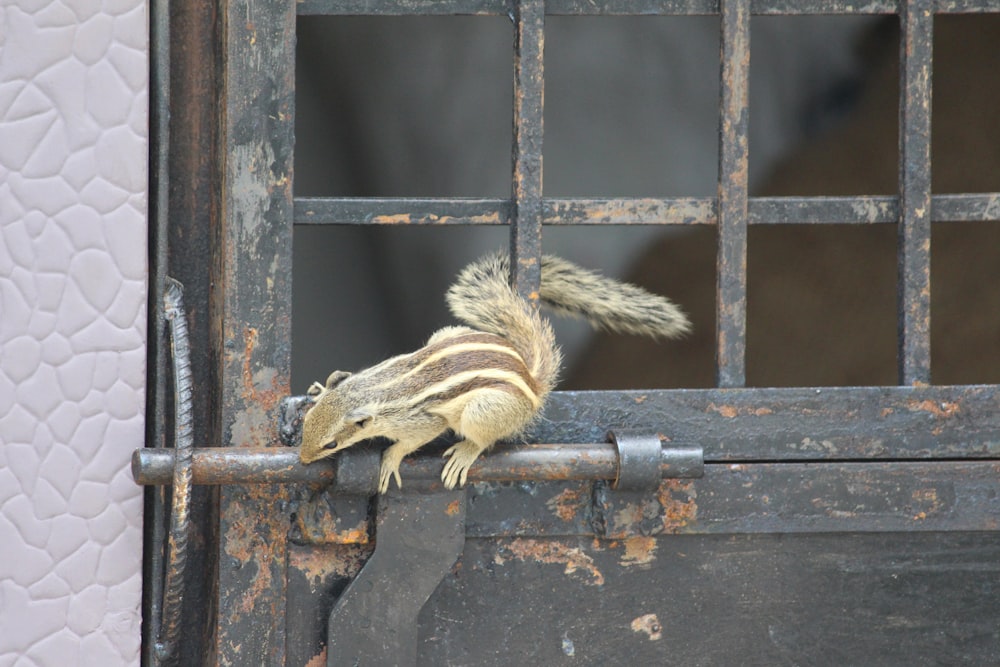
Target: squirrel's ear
315, 389
336, 378
360, 417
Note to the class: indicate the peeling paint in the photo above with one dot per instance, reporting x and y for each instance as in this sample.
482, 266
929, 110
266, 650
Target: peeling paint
568, 648
650, 625
929, 499
250, 550
318, 660
824, 446
249, 343
321, 522
941, 410
727, 411
550, 551
639, 551
568, 502
679, 501
318, 564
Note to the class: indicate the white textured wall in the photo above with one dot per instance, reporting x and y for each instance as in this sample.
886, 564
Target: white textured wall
73, 112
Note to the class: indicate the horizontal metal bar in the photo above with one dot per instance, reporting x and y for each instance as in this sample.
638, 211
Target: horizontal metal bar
400, 211
759, 498
232, 465
625, 211
624, 7
731, 498
636, 211
731, 425
792, 424
244, 465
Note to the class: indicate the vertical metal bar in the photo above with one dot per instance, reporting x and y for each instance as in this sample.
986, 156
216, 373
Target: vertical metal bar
156, 368
159, 214
251, 316
731, 278
914, 240
526, 230
195, 97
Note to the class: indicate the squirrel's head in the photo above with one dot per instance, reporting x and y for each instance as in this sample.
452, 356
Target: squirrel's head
333, 423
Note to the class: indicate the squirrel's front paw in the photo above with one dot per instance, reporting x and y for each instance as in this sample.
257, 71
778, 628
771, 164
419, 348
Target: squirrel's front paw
461, 457
389, 469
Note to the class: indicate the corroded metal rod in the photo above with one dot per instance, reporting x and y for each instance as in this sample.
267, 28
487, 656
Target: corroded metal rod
240, 465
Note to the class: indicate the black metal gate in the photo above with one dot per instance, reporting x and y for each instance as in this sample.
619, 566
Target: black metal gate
754, 526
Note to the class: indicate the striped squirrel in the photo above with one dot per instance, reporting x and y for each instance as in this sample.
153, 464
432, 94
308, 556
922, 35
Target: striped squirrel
485, 383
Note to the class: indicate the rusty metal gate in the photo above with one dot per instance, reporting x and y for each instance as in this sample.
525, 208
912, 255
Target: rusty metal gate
748, 525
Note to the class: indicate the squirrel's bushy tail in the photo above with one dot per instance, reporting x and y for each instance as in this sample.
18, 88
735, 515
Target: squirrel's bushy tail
483, 298
608, 303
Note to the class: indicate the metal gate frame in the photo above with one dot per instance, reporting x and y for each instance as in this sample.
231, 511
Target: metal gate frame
223, 141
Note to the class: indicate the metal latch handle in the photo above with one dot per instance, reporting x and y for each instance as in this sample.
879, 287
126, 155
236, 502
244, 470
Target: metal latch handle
167, 614
353, 471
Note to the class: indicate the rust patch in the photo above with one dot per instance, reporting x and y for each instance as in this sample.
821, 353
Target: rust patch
886, 412
640, 399
568, 502
253, 541
928, 500
433, 219
941, 410
628, 520
679, 501
318, 660
396, 219
727, 411
648, 624
670, 510
318, 524
731, 411
454, 507
249, 343
548, 551
318, 564
638, 551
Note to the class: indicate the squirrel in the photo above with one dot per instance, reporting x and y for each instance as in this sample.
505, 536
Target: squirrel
485, 383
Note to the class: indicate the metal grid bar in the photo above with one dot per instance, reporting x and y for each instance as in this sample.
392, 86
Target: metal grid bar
732, 210
914, 245
526, 230
734, 122
625, 7
863, 210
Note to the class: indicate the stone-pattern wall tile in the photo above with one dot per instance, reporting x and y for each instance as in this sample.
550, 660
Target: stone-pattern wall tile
73, 155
